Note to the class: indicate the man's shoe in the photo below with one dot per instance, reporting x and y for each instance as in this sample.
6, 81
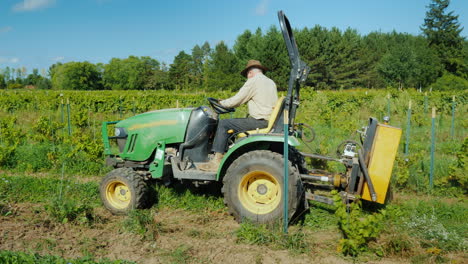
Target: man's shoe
213, 164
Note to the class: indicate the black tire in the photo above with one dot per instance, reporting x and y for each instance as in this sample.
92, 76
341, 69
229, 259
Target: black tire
122, 190
253, 187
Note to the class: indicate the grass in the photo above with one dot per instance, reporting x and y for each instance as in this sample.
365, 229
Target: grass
295, 241
142, 223
43, 189
320, 217
424, 230
11, 257
188, 197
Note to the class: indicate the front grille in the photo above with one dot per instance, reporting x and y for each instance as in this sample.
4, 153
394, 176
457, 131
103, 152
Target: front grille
121, 143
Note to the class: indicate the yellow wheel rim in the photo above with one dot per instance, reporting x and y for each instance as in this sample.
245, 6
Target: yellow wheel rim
259, 192
118, 194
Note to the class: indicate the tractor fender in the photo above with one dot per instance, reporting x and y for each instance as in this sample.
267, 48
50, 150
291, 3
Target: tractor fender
253, 142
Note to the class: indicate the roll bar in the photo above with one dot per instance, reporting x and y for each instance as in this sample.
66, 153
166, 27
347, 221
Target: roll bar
299, 69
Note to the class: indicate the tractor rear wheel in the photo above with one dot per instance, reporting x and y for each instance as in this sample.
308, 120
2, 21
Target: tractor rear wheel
122, 190
253, 187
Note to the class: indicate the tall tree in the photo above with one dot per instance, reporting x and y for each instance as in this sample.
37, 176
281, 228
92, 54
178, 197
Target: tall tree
76, 76
275, 57
442, 30
8, 74
224, 69
159, 79
2, 81
241, 46
198, 57
131, 73
397, 66
34, 78
180, 71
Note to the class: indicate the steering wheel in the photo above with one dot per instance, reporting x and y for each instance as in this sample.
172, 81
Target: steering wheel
219, 109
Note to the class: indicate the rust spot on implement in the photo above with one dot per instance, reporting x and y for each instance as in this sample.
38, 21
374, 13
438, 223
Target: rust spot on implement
154, 124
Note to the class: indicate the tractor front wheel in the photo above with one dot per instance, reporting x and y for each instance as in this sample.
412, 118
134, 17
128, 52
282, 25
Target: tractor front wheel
122, 190
253, 187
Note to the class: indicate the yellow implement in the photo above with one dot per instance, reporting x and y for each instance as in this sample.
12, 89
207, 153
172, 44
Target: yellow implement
383, 153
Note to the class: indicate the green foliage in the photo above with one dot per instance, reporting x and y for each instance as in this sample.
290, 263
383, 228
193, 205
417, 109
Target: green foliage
142, 222
458, 176
46, 130
431, 224
34, 157
2, 81
76, 76
131, 73
10, 137
12, 86
68, 210
33, 79
404, 167
357, 227
44, 84
223, 70
253, 234
181, 70
186, 197
320, 216
450, 82
181, 255
10, 257
40, 190
443, 32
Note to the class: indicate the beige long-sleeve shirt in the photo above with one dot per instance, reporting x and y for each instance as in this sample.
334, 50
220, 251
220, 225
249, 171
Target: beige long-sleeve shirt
261, 94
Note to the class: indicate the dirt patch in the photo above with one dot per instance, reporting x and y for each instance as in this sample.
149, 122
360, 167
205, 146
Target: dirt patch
182, 237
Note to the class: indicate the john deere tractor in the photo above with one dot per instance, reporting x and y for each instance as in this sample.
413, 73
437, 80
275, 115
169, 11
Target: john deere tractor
170, 144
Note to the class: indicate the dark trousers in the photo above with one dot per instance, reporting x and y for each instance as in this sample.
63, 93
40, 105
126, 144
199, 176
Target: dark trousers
236, 124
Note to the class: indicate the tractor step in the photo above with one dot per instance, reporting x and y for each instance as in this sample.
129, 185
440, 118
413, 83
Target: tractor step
191, 173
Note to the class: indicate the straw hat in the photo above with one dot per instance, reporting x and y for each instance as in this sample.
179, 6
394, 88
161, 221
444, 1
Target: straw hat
251, 64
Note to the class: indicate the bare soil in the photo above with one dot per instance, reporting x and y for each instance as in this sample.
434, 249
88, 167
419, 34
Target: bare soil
183, 237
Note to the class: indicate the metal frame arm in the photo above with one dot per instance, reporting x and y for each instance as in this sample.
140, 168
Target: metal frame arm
299, 69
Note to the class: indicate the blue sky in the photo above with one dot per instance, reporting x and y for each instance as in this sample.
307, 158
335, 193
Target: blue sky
38, 33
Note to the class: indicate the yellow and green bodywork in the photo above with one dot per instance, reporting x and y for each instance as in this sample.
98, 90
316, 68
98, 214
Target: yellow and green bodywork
148, 134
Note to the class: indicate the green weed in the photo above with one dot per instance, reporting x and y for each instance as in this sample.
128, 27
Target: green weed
10, 257
6, 209
66, 210
424, 230
357, 227
320, 216
186, 197
41, 189
33, 157
142, 223
181, 254
437, 224
254, 234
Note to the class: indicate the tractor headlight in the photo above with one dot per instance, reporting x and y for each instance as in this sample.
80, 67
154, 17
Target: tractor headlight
120, 132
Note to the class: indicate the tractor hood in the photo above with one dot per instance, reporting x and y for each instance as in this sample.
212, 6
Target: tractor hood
145, 131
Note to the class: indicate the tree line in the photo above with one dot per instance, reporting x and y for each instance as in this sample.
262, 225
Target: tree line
338, 59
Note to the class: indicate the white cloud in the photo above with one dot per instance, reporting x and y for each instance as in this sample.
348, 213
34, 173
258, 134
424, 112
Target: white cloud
262, 7
9, 60
59, 58
5, 29
32, 5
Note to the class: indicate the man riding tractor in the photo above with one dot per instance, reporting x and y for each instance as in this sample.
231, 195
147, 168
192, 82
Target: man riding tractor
260, 94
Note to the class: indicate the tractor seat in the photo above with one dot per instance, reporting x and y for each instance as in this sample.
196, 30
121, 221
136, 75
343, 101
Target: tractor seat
271, 122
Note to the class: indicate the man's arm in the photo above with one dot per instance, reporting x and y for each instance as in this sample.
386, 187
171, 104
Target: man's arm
244, 95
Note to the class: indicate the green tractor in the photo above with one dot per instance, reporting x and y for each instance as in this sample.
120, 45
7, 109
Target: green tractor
170, 144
